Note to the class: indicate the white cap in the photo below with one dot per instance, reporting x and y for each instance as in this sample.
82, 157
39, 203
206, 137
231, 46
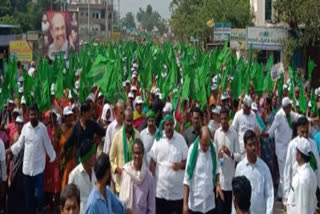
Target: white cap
16, 110
23, 100
100, 94
10, 101
134, 75
317, 92
135, 65
77, 84
90, 97
168, 107
20, 79
125, 83
214, 87
130, 95
139, 100
157, 91
310, 104
133, 88
133, 69
67, 111
285, 86
247, 101
254, 107
297, 103
19, 119
70, 95
53, 111
285, 102
216, 110
20, 90
303, 145
225, 96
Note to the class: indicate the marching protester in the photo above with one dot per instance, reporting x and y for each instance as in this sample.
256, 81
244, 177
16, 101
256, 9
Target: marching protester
292, 165
121, 146
241, 194
258, 173
70, 200
201, 176
228, 150
194, 130
137, 188
168, 161
83, 175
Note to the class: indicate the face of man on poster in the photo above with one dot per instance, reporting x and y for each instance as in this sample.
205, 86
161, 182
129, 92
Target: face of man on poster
58, 31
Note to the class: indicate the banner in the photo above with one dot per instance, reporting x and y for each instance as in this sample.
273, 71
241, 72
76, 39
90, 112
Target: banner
21, 50
60, 31
222, 31
264, 38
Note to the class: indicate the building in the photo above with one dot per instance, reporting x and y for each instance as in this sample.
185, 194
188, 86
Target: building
263, 11
95, 18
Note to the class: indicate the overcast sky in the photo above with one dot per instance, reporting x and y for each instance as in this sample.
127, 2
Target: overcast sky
162, 6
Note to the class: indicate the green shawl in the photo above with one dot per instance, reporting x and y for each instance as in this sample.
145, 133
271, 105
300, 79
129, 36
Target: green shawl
193, 160
127, 153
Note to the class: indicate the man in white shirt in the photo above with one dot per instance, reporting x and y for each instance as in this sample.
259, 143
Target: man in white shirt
201, 176
244, 120
83, 175
114, 126
291, 164
36, 142
302, 196
227, 144
258, 173
281, 128
168, 161
148, 135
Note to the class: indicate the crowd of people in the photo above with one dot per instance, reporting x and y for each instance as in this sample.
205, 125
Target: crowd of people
142, 156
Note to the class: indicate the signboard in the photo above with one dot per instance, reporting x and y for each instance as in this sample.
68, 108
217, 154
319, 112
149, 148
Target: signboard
263, 38
116, 35
238, 34
21, 50
32, 36
222, 31
60, 31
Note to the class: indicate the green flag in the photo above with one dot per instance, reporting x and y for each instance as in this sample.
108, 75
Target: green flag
236, 85
267, 82
311, 66
59, 85
302, 98
314, 107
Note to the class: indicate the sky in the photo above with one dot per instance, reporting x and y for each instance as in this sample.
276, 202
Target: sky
162, 6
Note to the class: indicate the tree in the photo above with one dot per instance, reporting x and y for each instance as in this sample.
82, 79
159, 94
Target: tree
150, 19
303, 19
189, 17
128, 21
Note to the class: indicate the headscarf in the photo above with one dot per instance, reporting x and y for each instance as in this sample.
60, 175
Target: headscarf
160, 129
106, 108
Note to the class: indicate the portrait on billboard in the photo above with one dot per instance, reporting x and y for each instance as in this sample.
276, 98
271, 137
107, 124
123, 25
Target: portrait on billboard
60, 33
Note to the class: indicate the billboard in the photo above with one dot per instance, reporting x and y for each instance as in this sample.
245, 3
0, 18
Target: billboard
222, 31
60, 31
21, 50
264, 38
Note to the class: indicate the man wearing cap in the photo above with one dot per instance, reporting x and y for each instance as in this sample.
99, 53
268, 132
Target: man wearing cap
244, 120
24, 109
194, 130
291, 164
138, 115
214, 123
121, 147
130, 99
83, 175
168, 161
148, 135
302, 193
281, 128
114, 126
214, 97
134, 83
225, 100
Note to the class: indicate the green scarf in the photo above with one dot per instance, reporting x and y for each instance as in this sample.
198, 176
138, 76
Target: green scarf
86, 157
127, 153
289, 120
313, 162
193, 160
160, 129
